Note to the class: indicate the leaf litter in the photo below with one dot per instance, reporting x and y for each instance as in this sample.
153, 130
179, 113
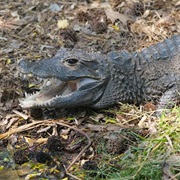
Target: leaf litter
56, 143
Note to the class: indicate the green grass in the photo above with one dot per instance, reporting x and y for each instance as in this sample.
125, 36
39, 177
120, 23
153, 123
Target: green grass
151, 158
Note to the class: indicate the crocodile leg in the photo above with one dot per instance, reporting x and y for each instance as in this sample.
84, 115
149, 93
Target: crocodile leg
167, 100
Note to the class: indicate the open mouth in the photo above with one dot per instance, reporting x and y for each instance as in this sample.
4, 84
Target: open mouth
53, 89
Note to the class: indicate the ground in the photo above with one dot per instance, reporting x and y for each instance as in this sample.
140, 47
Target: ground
124, 142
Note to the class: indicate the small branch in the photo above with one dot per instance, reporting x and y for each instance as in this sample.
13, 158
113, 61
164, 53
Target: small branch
84, 149
24, 116
71, 175
48, 122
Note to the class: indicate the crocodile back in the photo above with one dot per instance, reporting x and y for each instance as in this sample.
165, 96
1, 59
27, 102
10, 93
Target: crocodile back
165, 50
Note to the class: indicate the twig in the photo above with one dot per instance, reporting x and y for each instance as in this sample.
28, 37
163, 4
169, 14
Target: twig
84, 149
24, 116
24, 128
71, 175
50, 122
174, 177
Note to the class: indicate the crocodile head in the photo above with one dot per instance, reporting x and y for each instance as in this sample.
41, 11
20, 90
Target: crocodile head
75, 78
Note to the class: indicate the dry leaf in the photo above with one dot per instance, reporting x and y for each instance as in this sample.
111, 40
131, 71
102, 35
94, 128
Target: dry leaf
141, 123
31, 141
63, 24
152, 128
15, 14
114, 15
9, 24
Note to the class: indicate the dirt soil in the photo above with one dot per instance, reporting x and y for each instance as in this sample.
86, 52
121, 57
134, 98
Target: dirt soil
35, 29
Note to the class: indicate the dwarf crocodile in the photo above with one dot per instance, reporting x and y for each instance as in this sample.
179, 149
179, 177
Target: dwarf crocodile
93, 79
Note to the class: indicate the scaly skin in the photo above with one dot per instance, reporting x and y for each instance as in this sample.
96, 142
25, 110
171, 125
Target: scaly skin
98, 80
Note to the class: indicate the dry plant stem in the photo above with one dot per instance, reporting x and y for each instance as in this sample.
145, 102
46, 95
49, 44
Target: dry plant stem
69, 174
48, 122
174, 177
23, 128
107, 127
24, 116
84, 149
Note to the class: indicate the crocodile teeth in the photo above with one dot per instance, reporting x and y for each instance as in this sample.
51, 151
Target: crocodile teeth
24, 76
26, 94
45, 83
53, 89
48, 83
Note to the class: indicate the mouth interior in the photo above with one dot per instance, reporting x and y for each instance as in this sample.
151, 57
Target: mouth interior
54, 88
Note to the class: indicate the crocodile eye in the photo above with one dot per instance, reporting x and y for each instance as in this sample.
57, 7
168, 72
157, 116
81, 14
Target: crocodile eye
71, 62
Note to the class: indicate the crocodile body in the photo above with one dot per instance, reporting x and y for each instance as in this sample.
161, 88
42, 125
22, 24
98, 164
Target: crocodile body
100, 80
